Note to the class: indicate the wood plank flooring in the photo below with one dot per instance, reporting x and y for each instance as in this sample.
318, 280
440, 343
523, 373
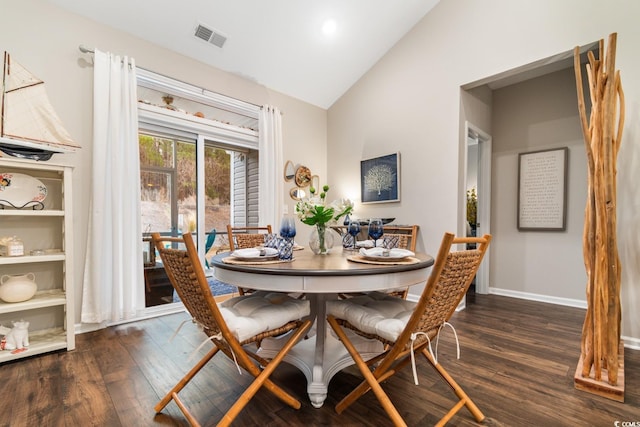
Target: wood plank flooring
517, 362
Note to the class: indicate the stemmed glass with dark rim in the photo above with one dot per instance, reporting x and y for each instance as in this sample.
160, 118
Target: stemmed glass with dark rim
376, 229
354, 229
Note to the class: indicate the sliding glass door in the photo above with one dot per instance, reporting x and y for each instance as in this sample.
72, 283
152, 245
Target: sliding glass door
181, 194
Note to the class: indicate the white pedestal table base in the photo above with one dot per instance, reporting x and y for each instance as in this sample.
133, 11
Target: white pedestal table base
321, 355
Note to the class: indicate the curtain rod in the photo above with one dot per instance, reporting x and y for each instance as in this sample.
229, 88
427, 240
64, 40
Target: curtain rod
85, 49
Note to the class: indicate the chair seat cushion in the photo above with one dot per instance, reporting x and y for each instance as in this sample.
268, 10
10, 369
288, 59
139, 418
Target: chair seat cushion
261, 311
374, 313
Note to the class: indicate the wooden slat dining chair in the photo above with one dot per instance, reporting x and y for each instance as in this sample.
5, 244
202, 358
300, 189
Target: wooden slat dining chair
407, 235
407, 328
407, 239
232, 325
246, 237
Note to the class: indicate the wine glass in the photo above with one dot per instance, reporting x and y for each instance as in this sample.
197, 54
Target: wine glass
375, 229
354, 229
288, 227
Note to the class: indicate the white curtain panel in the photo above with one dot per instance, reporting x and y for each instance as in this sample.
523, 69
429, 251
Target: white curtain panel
113, 276
271, 167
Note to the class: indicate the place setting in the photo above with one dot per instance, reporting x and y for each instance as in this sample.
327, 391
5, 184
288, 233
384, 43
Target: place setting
381, 255
379, 249
350, 239
276, 249
254, 254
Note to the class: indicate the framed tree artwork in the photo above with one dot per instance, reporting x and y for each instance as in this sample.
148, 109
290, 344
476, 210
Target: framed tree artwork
380, 179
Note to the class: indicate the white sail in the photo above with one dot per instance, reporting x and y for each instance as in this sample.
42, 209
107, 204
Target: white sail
28, 118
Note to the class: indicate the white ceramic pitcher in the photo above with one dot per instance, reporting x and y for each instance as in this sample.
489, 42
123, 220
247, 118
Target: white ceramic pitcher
17, 288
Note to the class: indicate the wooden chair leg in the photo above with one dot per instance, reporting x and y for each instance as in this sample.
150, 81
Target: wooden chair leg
192, 421
277, 391
185, 380
263, 379
270, 385
371, 380
465, 400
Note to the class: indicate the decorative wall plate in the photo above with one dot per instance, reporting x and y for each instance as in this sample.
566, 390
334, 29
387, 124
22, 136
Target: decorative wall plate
303, 176
21, 191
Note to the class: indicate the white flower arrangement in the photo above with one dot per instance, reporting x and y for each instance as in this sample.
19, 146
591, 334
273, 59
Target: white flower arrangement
315, 211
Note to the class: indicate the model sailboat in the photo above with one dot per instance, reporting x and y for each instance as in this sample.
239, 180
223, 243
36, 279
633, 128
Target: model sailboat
28, 122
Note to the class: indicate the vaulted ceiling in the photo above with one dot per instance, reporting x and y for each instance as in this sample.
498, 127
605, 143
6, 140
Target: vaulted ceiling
281, 44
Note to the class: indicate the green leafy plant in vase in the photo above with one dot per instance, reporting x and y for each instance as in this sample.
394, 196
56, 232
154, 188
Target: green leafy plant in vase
314, 211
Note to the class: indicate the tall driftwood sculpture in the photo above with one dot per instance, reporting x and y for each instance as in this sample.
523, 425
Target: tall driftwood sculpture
601, 349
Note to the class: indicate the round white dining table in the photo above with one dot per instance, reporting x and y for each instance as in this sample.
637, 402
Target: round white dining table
320, 278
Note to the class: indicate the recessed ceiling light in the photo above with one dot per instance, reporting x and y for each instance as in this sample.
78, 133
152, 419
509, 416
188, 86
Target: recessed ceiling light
329, 27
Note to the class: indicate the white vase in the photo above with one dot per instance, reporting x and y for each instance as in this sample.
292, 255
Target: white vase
17, 288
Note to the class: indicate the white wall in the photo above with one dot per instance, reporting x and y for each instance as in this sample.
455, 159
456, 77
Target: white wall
45, 39
472, 167
410, 101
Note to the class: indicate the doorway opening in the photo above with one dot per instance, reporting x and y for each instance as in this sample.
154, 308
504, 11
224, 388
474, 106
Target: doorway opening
478, 102
478, 195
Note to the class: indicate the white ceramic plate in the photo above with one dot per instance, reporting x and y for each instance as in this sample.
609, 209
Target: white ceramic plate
378, 254
254, 254
20, 190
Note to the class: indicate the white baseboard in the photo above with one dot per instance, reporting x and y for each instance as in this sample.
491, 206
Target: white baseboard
148, 313
629, 342
632, 343
537, 297
83, 328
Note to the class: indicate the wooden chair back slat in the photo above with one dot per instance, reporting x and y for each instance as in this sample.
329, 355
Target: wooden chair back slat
246, 237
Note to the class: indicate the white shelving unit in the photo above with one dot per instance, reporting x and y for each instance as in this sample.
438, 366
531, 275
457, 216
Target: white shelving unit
51, 311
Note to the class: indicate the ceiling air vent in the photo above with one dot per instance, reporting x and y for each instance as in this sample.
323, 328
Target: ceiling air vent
211, 36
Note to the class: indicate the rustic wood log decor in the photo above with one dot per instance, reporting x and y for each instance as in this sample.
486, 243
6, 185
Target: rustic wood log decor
601, 366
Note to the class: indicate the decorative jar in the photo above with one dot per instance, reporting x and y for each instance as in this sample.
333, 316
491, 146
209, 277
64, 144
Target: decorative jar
17, 288
11, 246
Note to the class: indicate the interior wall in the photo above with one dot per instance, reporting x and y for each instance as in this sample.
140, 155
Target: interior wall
410, 102
538, 114
475, 110
472, 167
45, 39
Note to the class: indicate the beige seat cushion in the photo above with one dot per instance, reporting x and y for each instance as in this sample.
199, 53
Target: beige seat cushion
374, 313
261, 311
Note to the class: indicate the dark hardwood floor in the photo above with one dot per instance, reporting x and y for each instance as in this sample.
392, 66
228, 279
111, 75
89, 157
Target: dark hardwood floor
517, 362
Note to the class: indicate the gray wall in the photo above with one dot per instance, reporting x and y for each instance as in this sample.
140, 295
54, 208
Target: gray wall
538, 114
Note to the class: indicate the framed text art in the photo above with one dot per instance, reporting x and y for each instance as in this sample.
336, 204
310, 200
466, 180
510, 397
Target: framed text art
542, 190
380, 179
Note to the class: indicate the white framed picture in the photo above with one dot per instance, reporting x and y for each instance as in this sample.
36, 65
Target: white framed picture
380, 179
542, 190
